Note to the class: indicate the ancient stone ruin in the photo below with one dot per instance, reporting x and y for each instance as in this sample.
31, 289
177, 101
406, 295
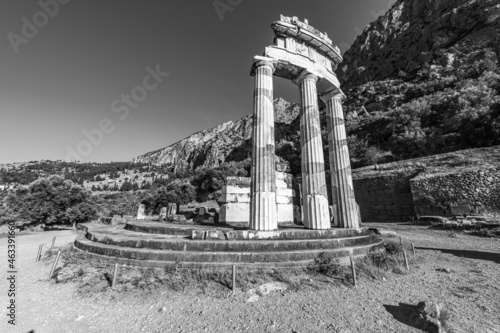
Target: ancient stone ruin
260, 204
163, 214
308, 58
141, 212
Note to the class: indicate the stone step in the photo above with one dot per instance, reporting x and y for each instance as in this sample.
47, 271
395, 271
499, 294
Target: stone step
144, 254
166, 228
241, 232
126, 238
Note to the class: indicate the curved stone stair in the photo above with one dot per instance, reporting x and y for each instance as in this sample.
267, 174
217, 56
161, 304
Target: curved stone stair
171, 245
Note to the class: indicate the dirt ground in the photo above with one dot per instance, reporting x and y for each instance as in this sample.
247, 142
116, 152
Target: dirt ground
460, 272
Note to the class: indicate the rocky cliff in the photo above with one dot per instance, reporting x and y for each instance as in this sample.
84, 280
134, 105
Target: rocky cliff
227, 142
424, 79
414, 35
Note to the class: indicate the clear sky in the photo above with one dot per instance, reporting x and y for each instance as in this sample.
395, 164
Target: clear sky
66, 73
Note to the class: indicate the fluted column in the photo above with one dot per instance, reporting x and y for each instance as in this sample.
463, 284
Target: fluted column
263, 185
344, 200
314, 195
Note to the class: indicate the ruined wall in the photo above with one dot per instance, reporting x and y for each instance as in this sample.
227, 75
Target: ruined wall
385, 198
460, 192
235, 200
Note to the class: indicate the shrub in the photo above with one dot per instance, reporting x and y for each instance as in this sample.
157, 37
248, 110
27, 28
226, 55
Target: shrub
51, 200
326, 264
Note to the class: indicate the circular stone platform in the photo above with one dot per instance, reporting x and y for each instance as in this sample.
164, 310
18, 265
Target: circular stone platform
158, 244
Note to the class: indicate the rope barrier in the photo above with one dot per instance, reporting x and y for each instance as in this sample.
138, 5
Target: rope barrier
381, 260
101, 264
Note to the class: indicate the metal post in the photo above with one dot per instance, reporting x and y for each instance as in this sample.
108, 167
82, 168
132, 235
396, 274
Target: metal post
39, 254
54, 264
234, 279
53, 242
113, 283
413, 248
406, 261
353, 271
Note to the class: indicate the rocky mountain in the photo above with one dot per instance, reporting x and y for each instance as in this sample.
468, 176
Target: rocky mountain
423, 79
418, 35
227, 142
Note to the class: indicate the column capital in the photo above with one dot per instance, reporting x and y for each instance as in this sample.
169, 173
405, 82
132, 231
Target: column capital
304, 75
337, 93
259, 61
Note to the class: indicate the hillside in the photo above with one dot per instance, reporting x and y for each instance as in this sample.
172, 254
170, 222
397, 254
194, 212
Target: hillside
108, 176
424, 78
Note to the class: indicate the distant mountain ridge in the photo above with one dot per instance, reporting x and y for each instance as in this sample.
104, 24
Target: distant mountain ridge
212, 147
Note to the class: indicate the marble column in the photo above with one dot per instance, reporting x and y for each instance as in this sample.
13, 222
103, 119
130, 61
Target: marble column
314, 195
344, 201
263, 213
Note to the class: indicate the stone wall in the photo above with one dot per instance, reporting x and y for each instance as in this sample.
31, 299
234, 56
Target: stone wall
459, 192
235, 200
385, 198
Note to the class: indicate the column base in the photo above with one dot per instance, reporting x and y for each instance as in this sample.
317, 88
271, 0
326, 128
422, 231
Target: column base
263, 214
316, 214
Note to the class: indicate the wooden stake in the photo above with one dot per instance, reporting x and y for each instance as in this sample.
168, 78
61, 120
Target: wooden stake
413, 248
353, 272
401, 240
53, 242
406, 261
39, 254
54, 264
234, 279
115, 274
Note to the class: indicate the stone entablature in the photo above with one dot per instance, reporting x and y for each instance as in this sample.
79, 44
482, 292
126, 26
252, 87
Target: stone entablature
300, 36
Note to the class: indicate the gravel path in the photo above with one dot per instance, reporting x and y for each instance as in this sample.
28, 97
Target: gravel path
470, 291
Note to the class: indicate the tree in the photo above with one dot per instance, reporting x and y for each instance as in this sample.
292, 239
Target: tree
51, 200
127, 186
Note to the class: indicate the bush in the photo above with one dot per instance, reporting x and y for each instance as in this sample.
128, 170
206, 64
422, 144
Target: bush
393, 248
51, 200
326, 264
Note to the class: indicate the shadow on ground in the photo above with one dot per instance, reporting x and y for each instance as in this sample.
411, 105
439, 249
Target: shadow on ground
403, 313
490, 256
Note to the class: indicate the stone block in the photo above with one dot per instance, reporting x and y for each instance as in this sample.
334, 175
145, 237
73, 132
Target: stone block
238, 181
163, 214
437, 210
285, 192
424, 210
460, 210
281, 184
141, 212
285, 213
172, 209
234, 197
235, 212
198, 234
230, 189
215, 234
201, 211
176, 218
282, 199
